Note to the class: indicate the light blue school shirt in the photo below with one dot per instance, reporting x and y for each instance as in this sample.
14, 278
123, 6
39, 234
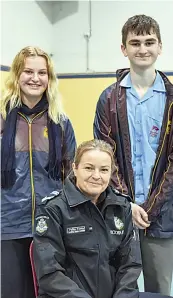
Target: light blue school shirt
145, 116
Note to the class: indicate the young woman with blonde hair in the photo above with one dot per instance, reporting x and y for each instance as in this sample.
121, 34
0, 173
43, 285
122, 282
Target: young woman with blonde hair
37, 149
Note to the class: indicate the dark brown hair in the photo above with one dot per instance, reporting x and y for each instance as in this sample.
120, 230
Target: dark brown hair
140, 25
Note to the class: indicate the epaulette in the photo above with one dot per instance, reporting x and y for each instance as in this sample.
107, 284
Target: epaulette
52, 195
117, 192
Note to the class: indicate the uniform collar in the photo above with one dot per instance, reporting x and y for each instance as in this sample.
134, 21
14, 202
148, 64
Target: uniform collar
75, 197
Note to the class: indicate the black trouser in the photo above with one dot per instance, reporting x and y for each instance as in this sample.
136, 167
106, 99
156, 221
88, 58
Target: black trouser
16, 273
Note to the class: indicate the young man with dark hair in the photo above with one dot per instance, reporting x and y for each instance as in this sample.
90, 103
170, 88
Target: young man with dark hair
135, 116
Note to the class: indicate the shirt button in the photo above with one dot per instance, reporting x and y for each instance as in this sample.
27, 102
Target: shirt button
138, 140
138, 121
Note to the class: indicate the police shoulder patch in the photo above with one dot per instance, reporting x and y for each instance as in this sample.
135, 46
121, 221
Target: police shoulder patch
52, 195
41, 224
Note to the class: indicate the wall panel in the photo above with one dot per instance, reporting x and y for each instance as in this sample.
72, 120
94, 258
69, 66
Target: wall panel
80, 95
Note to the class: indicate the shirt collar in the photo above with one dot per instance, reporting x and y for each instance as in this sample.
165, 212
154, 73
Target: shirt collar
126, 82
157, 86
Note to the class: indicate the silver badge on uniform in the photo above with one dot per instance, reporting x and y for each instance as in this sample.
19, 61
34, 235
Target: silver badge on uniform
118, 223
41, 226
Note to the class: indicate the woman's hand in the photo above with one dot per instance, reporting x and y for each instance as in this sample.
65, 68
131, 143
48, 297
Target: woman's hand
139, 216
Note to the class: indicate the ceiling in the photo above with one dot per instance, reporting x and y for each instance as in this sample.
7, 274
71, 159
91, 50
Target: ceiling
57, 10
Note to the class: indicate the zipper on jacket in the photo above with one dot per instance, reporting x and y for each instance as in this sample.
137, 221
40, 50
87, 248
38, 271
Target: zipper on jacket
29, 121
98, 244
133, 197
156, 163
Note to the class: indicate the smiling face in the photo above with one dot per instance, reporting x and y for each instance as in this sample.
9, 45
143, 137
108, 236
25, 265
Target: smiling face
93, 173
33, 80
142, 50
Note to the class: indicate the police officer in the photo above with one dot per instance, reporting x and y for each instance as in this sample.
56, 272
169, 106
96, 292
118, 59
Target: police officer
84, 244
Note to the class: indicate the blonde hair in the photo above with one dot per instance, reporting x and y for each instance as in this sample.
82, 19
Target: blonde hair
94, 145
12, 93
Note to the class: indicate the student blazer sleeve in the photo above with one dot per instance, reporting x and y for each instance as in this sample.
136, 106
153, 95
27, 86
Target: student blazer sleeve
103, 131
